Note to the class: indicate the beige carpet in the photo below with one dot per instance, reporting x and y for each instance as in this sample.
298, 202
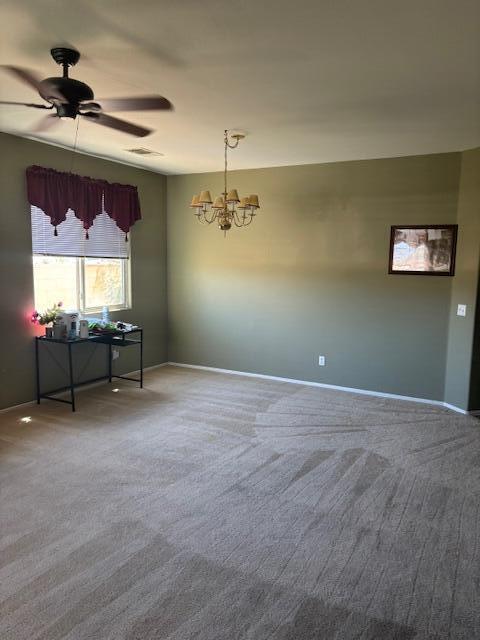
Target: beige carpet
219, 507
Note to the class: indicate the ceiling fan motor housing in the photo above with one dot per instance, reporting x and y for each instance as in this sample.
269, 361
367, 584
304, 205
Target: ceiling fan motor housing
73, 91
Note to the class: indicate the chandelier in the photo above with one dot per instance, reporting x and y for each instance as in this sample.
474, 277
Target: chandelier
228, 209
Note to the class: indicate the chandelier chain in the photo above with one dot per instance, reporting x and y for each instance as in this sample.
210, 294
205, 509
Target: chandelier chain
226, 165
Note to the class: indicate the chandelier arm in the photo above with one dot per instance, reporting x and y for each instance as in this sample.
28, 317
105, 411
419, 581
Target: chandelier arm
212, 218
204, 215
238, 221
247, 219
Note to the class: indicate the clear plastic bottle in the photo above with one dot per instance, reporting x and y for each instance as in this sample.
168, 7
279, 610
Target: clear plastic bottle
105, 316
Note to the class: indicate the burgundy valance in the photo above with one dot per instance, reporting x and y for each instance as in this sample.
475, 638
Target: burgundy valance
55, 192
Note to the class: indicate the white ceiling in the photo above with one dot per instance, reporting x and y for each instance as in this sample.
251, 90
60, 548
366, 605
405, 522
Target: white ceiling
310, 81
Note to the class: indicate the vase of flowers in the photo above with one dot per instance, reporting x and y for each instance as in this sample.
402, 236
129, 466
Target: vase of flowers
48, 317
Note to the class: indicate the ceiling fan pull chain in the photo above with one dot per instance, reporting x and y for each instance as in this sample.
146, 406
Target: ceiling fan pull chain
126, 237
55, 232
87, 237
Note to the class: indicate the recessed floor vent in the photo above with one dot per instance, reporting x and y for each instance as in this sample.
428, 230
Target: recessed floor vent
143, 151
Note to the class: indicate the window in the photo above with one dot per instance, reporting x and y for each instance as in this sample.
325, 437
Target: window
85, 274
87, 284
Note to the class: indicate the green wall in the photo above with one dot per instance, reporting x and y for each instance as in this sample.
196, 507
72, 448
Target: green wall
16, 279
462, 384
475, 377
309, 277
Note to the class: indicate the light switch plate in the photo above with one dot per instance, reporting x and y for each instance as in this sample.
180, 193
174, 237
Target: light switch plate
462, 310
321, 361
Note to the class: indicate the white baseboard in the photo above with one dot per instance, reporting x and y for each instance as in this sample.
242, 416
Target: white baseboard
83, 387
457, 409
154, 366
308, 383
18, 406
322, 385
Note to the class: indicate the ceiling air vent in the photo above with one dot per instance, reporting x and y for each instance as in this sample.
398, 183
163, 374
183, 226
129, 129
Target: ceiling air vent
143, 151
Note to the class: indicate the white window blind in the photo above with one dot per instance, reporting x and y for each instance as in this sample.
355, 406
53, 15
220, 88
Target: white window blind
105, 240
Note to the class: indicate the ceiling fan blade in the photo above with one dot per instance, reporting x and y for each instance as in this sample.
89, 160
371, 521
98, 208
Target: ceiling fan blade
138, 103
31, 78
27, 104
25, 75
46, 123
116, 123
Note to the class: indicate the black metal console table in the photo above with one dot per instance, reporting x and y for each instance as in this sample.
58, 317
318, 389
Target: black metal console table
110, 340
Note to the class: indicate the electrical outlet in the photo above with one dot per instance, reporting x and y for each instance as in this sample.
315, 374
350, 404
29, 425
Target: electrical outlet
462, 310
321, 361
115, 354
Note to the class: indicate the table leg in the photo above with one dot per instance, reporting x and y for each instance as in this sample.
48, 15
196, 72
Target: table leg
37, 370
70, 367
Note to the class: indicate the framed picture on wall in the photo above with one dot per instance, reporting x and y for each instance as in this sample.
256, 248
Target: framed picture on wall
426, 250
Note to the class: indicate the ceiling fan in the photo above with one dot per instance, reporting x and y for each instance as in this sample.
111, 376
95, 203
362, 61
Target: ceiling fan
71, 98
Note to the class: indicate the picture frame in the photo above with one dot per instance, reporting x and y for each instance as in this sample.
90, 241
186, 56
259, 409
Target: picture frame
423, 249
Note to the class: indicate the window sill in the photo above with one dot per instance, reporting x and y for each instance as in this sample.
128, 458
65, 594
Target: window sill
112, 309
